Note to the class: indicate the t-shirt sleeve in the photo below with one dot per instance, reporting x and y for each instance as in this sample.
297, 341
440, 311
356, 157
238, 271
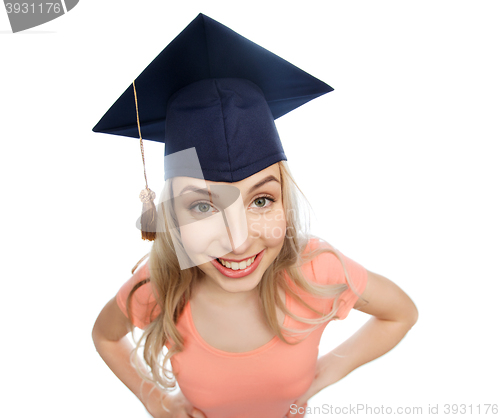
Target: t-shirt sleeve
328, 270
143, 303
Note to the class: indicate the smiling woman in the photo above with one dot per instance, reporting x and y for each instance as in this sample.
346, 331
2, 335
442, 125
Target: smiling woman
234, 286
228, 312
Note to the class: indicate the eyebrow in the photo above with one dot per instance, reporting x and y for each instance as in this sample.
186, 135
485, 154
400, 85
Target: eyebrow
207, 192
262, 182
199, 190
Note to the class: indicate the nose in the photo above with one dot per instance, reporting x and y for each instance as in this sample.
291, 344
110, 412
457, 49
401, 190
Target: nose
235, 216
237, 227
235, 219
243, 246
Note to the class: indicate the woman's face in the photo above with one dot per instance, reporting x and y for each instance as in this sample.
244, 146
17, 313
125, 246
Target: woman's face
231, 231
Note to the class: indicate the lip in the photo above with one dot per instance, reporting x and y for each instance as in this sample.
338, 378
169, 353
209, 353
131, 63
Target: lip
236, 274
239, 261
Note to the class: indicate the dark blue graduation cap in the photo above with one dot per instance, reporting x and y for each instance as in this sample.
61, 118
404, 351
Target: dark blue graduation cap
216, 91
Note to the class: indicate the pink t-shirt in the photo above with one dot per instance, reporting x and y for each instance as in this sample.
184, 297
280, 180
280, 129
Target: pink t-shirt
263, 382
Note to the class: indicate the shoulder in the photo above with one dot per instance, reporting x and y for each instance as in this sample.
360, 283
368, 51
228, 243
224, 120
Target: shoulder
138, 280
320, 261
142, 271
329, 266
325, 264
142, 299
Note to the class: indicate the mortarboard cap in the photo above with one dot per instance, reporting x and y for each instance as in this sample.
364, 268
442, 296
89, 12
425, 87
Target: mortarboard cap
216, 91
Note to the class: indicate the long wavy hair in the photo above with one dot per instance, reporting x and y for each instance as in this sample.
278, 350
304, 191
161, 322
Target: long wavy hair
172, 286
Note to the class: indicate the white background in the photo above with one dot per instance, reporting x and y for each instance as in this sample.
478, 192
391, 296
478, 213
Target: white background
400, 164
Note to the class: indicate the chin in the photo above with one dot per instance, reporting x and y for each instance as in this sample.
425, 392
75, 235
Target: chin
240, 284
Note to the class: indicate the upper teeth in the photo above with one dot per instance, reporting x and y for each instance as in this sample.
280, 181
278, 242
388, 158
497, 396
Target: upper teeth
237, 266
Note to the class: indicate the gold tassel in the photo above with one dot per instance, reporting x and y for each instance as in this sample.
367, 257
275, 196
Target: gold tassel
148, 217
147, 196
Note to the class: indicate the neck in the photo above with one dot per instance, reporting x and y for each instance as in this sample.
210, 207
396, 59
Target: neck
215, 294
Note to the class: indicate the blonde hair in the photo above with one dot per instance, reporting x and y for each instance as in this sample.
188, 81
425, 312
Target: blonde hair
172, 286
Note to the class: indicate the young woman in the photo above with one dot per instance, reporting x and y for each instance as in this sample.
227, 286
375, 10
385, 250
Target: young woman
234, 286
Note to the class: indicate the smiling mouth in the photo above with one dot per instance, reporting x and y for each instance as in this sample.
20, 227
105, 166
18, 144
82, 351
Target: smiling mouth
236, 269
237, 265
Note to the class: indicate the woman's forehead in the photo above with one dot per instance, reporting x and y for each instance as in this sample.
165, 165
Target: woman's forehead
180, 183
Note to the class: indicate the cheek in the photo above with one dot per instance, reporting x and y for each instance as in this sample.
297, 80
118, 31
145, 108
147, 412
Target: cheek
199, 236
277, 233
190, 242
269, 227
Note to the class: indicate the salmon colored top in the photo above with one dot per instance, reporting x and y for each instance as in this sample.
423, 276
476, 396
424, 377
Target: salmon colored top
263, 382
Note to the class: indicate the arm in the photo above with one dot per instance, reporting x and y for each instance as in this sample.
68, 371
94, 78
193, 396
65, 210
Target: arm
109, 335
393, 315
